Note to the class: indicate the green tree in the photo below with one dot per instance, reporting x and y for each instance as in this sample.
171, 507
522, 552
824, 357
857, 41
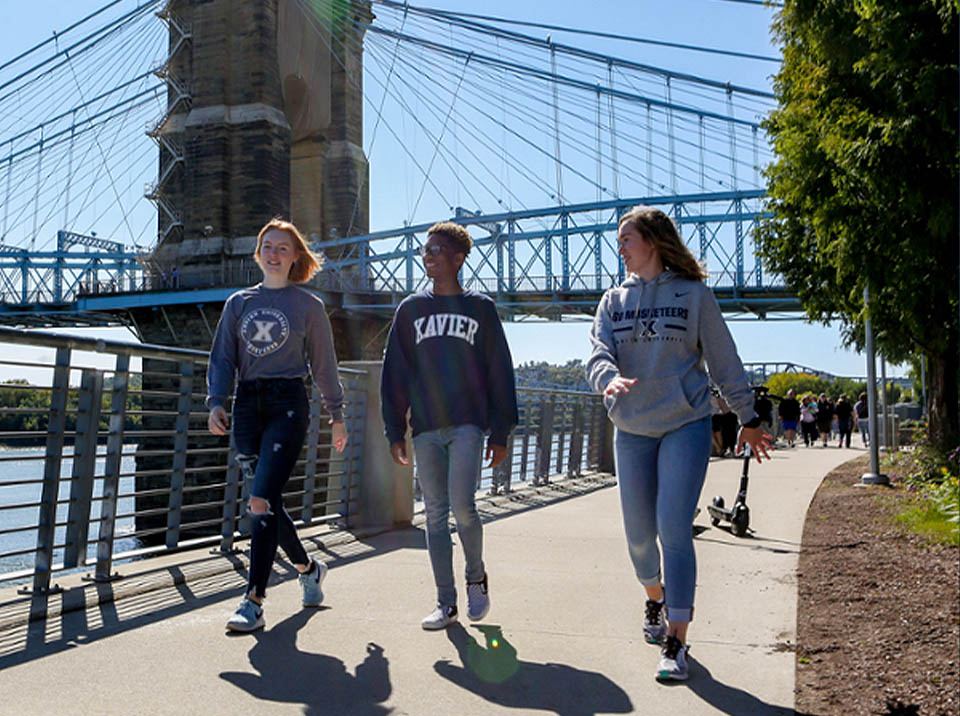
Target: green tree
802, 383
865, 185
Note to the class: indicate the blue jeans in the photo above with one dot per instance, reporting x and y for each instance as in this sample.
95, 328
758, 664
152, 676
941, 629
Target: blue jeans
660, 481
270, 418
448, 464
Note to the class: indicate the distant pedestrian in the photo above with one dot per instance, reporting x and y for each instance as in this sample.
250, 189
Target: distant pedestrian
270, 336
764, 407
824, 417
447, 361
844, 420
789, 411
808, 420
652, 338
862, 411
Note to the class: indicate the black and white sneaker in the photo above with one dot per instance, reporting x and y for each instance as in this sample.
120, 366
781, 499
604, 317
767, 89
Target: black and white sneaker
673, 661
654, 625
440, 618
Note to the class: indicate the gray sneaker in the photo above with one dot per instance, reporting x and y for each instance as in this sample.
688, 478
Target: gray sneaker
440, 618
673, 661
478, 600
311, 593
248, 617
654, 625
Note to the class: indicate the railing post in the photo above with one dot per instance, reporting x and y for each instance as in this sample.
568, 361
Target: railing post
541, 474
184, 402
562, 437
385, 490
310, 469
524, 453
607, 463
111, 468
47, 518
84, 466
353, 462
502, 472
231, 494
576, 442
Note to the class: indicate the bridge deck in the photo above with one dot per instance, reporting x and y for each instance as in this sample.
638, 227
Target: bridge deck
566, 613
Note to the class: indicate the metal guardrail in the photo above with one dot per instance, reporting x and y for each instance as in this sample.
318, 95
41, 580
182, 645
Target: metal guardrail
125, 467
130, 449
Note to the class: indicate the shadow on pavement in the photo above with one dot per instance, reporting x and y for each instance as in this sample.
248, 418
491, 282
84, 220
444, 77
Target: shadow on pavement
724, 698
319, 682
494, 673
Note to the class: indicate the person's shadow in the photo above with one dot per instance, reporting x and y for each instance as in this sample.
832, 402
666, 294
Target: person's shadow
321, 683
727, 699
493, 672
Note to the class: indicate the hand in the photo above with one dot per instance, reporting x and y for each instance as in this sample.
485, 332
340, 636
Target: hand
495, 454
398, 451
619, 385
759, 442
339, 435
217, 422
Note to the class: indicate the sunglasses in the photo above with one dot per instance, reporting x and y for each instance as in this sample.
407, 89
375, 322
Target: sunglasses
433, 249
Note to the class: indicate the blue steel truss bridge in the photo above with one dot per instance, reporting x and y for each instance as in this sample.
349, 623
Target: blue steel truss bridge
536, 143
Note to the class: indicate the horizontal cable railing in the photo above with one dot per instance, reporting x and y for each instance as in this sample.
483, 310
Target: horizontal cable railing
106, 464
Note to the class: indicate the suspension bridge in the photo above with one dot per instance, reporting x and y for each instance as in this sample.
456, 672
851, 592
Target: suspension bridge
537, 146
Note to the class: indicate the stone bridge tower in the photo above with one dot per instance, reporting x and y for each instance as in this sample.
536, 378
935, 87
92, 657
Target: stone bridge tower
264, 118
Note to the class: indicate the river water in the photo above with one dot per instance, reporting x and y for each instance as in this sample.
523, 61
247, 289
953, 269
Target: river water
28, 465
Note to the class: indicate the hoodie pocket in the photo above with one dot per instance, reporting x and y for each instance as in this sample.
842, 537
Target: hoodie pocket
651, 407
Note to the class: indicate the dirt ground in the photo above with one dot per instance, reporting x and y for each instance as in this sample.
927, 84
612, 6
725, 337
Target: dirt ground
878, 611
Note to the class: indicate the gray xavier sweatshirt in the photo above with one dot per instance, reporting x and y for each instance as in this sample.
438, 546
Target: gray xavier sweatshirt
665, 332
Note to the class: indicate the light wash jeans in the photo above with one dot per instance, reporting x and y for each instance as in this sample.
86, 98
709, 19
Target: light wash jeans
660, 481
448, 464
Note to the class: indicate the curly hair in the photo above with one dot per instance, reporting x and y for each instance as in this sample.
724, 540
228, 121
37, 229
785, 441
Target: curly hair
455, 234
657, 228
306, 264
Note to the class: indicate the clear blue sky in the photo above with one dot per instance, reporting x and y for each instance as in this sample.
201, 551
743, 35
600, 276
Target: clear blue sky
714, 23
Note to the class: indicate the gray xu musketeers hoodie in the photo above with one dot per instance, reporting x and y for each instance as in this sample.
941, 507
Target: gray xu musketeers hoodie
665, 332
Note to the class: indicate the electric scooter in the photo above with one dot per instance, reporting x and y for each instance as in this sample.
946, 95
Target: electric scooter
739, 515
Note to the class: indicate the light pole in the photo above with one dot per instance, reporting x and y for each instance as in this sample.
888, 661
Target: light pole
874, 477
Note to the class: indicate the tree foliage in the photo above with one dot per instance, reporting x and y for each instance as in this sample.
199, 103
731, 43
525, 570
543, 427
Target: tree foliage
865, 185
569, 376
803, 383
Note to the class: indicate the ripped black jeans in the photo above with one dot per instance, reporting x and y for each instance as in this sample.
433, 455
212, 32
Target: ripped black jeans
270, 418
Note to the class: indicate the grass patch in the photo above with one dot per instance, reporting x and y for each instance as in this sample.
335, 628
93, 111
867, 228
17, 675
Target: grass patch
924, 518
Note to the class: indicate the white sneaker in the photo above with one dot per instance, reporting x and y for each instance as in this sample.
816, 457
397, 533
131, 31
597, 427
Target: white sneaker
478, 599
440, 618
248, 617
673, 661
311, 595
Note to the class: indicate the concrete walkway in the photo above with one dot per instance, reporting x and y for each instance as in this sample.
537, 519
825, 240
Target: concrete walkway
563, 635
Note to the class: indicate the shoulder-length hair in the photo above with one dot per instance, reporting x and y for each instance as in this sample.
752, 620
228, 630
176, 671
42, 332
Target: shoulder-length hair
306, 264
657, 228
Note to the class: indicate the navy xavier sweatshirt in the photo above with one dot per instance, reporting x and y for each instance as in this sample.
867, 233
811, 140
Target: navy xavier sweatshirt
447, 360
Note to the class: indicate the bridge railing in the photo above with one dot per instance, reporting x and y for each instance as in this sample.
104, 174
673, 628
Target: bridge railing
107, 458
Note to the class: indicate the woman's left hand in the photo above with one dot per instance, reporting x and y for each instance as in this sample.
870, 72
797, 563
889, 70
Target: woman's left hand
339, 435
760, 442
